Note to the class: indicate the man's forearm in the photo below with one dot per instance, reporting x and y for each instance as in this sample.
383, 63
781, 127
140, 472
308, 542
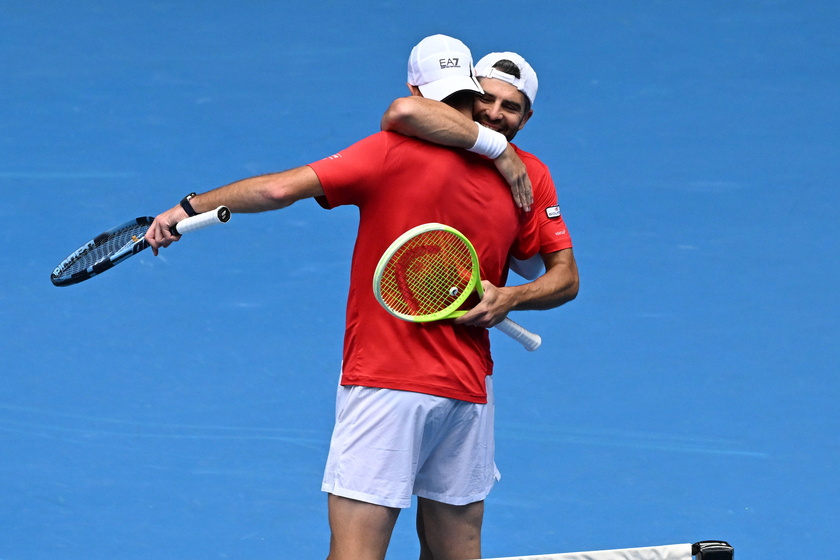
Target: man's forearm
262, 193
430, 120
557, 286
255, 194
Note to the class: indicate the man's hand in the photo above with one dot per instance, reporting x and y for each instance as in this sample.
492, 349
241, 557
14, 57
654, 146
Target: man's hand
557, 286
513, 170
491, 310
160, 233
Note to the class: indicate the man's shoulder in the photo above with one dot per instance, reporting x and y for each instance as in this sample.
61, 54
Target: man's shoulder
536, 168
408, 148
376, 143
384, 137
396, 139
528, 157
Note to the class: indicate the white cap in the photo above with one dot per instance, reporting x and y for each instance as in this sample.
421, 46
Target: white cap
526, 82
441, 65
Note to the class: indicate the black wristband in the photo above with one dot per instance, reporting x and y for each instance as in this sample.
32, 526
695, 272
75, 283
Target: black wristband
185, 204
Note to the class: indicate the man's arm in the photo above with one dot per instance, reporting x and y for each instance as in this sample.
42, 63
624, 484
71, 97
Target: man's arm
430, 120
441, 124
255, 194
557, 286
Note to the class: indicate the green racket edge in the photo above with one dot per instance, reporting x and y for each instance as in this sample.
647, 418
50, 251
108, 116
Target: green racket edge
449, 312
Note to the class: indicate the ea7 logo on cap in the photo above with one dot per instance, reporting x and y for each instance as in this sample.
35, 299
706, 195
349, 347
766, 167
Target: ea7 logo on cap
553, 211
449, 63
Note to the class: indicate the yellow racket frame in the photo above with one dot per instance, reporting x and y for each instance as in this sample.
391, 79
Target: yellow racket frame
438, 281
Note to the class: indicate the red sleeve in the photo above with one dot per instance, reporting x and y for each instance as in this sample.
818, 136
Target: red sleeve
554, 235
348, 175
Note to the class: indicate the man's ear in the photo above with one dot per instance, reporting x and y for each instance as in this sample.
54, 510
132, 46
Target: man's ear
414, 90
525, 119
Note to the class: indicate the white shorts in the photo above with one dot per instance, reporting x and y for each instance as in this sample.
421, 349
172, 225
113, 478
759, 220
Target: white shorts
388, 445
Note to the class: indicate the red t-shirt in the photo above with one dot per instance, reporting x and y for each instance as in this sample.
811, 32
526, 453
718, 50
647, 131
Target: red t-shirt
554, 236
398, 183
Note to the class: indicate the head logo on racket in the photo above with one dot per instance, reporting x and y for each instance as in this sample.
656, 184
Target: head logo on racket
428, 273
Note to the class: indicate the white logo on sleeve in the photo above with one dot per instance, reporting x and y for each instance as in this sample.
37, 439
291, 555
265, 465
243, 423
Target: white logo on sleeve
553, 211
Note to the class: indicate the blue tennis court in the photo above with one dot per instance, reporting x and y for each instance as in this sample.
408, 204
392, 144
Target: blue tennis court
181, 406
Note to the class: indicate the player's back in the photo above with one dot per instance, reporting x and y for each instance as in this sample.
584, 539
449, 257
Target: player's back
398, 183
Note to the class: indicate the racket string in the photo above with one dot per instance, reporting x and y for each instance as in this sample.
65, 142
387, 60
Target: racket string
427, 274
106, 247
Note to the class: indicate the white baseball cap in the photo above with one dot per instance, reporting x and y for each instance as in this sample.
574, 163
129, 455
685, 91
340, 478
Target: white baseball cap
526, 82
440, 65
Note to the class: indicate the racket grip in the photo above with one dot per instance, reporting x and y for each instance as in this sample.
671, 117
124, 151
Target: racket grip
526, 338
218, 216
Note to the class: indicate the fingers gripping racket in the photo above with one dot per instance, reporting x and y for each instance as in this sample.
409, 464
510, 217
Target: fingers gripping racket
428, 273
115, 245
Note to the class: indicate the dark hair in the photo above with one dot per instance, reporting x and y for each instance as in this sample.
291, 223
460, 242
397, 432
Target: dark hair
510, 67
460, 99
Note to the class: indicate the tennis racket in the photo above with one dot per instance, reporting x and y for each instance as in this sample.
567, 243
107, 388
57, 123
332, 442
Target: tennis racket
115, 245
428, 273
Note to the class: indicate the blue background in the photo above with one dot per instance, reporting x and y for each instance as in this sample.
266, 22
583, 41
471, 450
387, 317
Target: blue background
180, 406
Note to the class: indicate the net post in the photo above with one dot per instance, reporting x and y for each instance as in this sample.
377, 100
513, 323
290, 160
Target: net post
712, 550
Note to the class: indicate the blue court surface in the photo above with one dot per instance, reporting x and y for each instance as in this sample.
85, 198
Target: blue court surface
180, 407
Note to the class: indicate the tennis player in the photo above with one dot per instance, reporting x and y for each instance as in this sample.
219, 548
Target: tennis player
414, 409
510, 88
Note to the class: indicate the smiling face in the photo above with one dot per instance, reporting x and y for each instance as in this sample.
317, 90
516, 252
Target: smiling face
502, 108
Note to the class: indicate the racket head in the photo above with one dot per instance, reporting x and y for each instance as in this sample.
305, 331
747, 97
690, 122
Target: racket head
426, 274
102, 252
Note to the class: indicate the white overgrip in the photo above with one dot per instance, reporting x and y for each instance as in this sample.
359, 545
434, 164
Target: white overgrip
206, 219
526, 338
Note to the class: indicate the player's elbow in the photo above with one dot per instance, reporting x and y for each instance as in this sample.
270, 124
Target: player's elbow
563, 293
562, 272
574, 287
398, 115
284, 189
279, 197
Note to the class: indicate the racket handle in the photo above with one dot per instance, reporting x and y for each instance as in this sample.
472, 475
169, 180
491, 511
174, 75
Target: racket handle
526, 338
218, 216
